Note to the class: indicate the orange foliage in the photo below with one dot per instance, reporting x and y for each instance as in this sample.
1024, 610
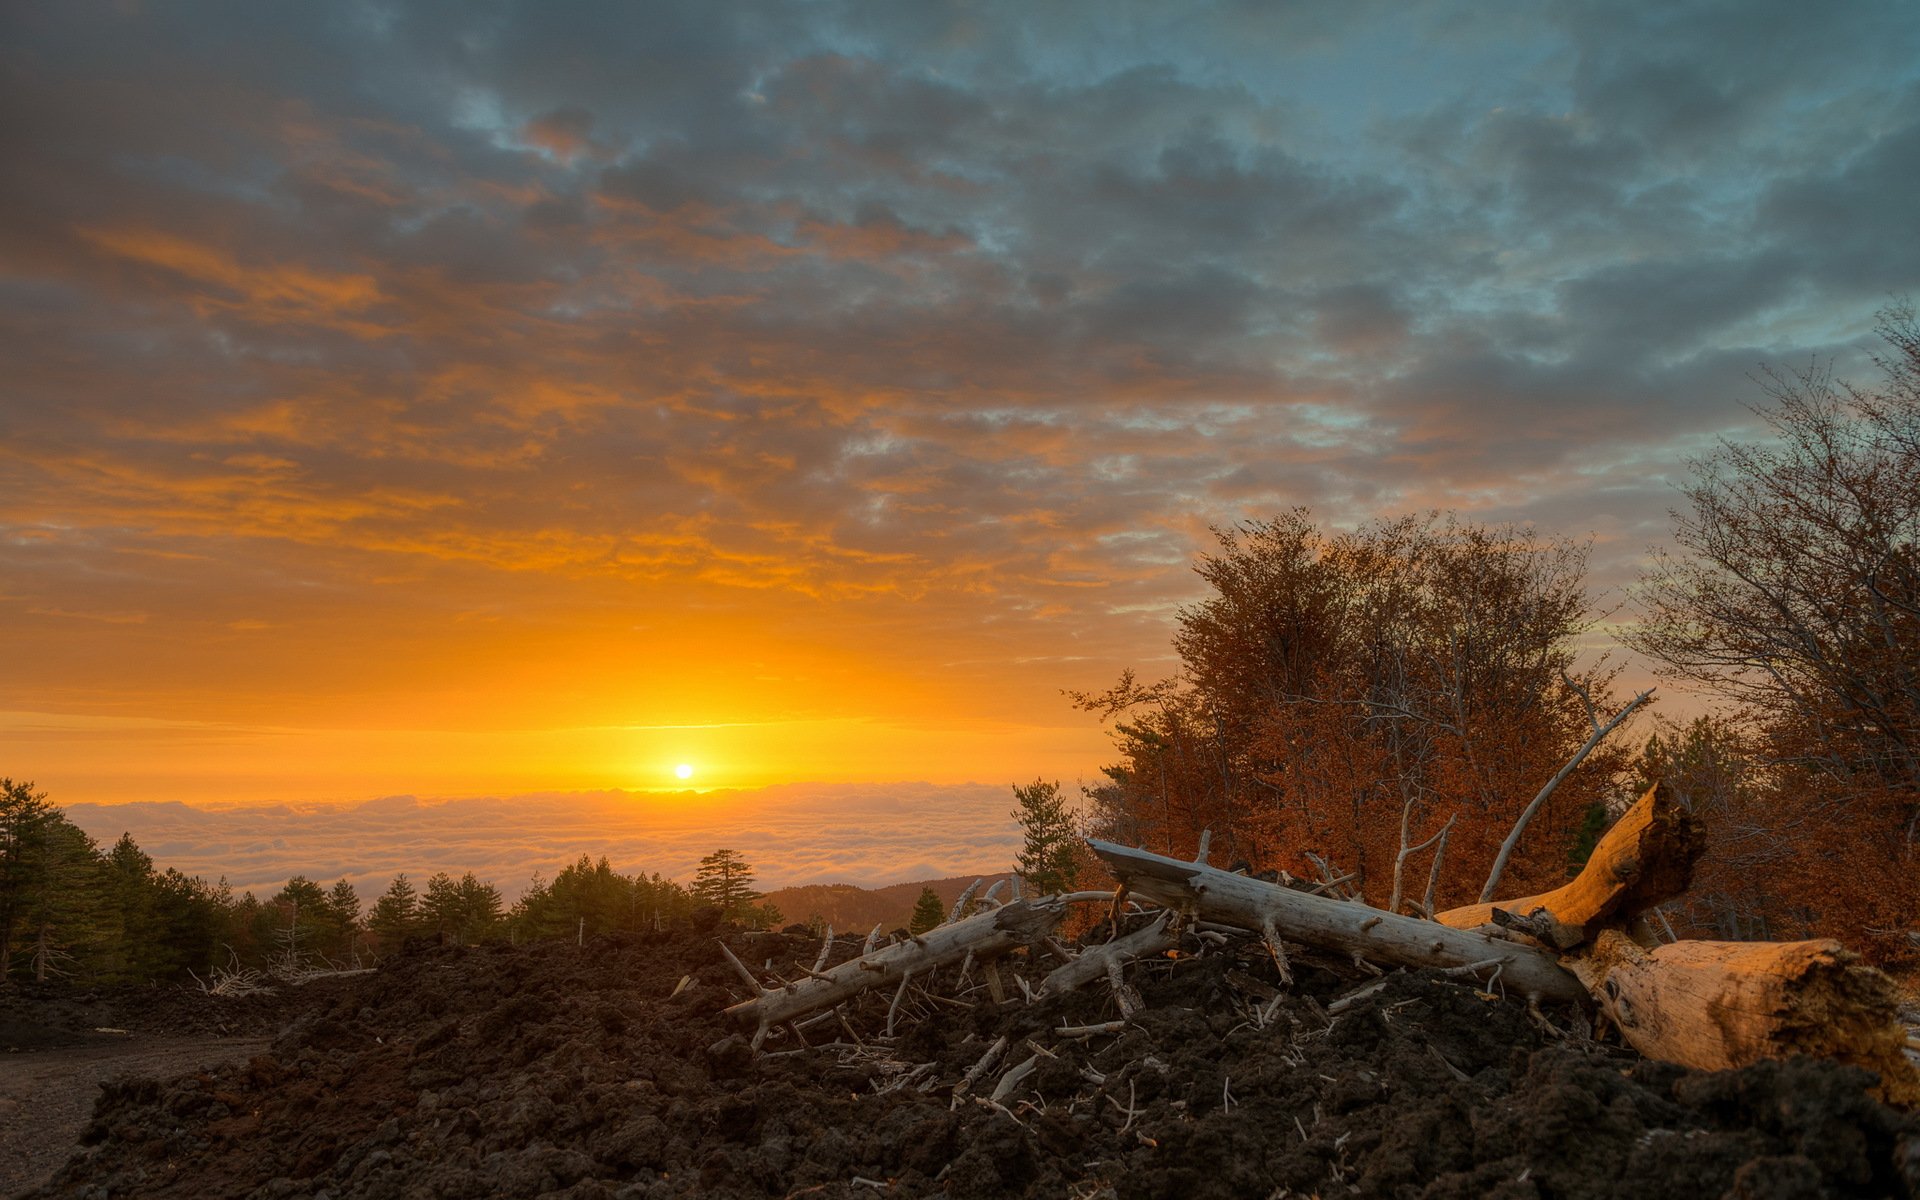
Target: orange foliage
1791, 853
1347, 695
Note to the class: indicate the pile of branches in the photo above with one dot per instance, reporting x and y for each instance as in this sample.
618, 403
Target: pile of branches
1585, 949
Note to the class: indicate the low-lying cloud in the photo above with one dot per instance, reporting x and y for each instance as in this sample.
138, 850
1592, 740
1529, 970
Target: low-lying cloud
869, 835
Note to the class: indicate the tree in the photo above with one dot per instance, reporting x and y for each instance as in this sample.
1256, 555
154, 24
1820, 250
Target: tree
480, 913
396, 914
725, 880
1795, 594
24, 818
928, 912
342, 918
301, 921
130, 891
440, 908
1345, 697
1047, 858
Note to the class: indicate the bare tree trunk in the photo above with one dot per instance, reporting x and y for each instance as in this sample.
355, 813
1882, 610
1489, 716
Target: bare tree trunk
1092, 963
1338, 925
1406, 851
985, 935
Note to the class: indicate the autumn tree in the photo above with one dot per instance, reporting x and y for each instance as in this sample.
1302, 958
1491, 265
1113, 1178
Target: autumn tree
1795, 595
927, 913
1344, 698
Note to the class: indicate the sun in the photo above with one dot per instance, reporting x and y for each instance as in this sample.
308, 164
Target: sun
683, 771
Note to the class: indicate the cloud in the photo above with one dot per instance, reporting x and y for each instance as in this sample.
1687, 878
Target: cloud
903, 337
870, 835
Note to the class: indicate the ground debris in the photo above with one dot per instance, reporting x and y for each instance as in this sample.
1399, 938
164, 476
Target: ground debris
609, 1070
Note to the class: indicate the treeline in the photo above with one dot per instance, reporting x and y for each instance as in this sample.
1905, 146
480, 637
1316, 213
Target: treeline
1378, 706
69, 909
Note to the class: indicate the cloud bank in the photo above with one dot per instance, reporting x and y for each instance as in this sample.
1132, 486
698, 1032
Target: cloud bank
869, 835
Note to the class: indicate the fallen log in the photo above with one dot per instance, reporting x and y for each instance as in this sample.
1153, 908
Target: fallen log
985, 935
1715, 1005
1094, 961
1341, 925
1647, 857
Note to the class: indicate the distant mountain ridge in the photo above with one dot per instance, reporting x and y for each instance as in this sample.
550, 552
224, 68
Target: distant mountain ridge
856, 909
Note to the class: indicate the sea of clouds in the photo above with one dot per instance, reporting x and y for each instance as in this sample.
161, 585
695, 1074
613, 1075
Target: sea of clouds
866, 834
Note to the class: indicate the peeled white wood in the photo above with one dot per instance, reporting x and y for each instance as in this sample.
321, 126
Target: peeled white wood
1339, 925
984, 935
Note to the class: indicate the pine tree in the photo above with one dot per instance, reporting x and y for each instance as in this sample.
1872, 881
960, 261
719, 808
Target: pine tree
130, 890
1047, 853
396, 914
928, 912
300, 921
440, 908
343, 920
725, 880
480, 917
72, 927
24, 816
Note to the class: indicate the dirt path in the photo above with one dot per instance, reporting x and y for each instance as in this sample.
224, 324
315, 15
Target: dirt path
46, 1096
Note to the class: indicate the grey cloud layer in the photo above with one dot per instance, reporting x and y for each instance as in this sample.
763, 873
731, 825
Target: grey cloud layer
938, 302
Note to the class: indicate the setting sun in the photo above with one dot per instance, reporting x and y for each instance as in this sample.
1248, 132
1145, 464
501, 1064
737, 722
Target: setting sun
683, 771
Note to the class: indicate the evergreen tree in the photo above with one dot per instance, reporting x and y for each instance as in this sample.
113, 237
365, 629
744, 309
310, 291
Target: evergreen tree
299, 921
343, 921
188, 916
928, 912
24, 816
71, 924
725, 880
440, 907
128, 874
479, 906
1047, 859
396, 915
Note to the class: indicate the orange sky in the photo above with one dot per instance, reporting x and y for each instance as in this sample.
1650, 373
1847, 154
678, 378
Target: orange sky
450, 403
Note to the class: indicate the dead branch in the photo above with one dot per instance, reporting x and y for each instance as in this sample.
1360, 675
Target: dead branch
1599, 735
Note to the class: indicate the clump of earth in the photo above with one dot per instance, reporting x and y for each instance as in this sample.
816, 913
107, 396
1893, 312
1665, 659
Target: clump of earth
610, 1070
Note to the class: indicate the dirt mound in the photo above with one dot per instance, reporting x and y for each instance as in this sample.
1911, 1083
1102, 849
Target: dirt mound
568, 1071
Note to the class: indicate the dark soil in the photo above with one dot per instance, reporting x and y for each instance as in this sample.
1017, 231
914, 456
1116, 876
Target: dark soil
556, 1070
43, 1016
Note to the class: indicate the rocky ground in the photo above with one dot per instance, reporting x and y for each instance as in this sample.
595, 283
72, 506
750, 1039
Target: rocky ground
557, 1070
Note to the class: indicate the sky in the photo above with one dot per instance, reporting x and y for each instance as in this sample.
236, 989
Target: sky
490, 399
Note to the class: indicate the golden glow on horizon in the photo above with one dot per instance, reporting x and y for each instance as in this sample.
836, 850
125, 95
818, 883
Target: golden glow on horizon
113, 759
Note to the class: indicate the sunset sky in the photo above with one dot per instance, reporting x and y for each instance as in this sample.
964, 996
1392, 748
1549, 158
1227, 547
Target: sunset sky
473, 399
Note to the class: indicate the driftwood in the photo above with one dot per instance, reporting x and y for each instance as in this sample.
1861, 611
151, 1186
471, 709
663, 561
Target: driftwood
1340, 925
1714, 1005
985, 935
1647, 857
